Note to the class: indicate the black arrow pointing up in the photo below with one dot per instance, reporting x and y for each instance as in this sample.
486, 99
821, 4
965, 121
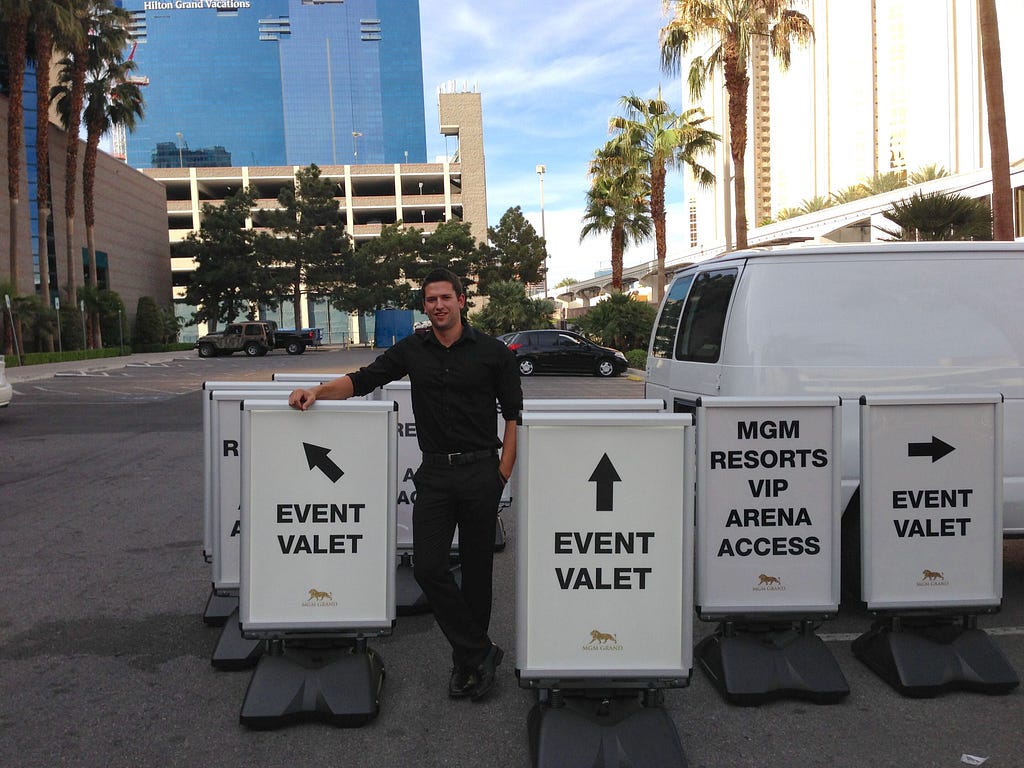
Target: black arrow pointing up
317, 457
936, 449
604, 475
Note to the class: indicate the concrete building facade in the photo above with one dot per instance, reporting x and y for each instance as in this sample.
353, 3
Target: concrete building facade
370, 196
130, 229
886, 86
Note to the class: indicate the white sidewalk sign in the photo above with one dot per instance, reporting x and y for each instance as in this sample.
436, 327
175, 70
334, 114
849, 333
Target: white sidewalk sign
768, 496
211, 452
604, 546
318, 518
932, 501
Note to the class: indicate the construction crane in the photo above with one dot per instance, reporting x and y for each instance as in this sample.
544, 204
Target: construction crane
118, 134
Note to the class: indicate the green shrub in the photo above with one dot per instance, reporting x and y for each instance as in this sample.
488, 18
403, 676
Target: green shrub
149, 324
637, 358
620, 321
72, 335
39, 358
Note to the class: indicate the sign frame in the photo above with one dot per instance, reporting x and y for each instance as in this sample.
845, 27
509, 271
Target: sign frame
822, 599
540, 434
934, 600
380, 607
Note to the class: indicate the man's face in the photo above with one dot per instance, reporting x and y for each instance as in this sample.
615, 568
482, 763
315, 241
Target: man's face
442, 306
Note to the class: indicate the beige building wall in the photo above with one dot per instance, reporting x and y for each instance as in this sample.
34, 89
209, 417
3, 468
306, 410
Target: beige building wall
131, 226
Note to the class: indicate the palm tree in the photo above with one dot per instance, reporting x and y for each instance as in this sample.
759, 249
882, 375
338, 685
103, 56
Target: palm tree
732, 27
1002, 197
103, 32
52, 21
927, 173
616, 203
110, 100
15, 17
940, 217
657, 139
881, 183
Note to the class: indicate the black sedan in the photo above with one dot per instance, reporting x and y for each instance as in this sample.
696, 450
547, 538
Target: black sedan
562, 352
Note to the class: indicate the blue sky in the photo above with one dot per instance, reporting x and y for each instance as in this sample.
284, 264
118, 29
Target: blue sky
550, 75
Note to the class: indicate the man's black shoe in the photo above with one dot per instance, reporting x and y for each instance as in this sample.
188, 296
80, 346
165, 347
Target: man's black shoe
487, 672
463, 682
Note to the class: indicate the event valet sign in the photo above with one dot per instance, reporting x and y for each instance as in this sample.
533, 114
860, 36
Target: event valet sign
931, 541
604, 583
317, 557
768, 494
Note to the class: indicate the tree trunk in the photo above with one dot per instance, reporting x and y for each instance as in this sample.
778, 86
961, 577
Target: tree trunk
16, 40
736, 85
44, 45
658, 216
71, 168
89, 209
618, 247
1002, 194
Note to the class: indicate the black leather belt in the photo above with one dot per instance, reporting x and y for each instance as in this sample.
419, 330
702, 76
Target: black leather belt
457, 459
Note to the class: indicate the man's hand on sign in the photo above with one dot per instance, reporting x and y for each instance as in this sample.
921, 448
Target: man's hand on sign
301, 398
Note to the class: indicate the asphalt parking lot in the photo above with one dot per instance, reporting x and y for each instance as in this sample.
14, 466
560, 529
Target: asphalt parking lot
105, 659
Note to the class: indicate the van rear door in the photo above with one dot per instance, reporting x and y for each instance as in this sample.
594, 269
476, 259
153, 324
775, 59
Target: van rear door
685, 354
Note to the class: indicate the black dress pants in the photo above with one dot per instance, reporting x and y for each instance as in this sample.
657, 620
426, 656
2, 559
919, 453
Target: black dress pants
465, 497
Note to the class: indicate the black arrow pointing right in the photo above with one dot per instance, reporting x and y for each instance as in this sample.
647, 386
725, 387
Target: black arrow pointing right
316, 456
936, 449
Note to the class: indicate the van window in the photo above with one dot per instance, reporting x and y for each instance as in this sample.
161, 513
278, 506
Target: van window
668, 321
700, 332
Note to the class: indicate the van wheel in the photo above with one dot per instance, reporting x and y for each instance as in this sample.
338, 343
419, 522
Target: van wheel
295, 348
526, 366
605, 368
849, 551
207, 350
252, 349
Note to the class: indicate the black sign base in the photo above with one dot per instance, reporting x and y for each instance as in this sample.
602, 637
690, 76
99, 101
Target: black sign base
219, 607
753, 665
234, 651
296, 683
922, 660
604, 733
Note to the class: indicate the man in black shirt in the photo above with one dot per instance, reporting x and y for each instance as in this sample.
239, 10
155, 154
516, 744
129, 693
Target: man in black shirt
456, 373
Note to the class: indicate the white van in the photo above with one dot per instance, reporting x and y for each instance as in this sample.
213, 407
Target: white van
851, 320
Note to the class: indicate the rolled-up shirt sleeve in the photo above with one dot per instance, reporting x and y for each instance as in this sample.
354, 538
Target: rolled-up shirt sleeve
388, 367
509, 388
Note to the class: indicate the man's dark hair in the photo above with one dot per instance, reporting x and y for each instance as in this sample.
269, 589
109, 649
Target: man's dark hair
441, 275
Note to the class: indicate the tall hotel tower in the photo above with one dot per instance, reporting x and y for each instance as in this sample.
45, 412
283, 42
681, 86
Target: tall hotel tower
277, 82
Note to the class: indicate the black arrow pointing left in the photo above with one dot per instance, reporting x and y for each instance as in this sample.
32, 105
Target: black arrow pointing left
936, 449
317, 457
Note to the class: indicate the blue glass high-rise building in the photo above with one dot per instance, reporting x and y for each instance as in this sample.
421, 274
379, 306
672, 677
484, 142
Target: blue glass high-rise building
278, 82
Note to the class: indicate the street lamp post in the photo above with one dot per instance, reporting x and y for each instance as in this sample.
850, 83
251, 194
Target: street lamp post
181, 163
540, 172
355, 146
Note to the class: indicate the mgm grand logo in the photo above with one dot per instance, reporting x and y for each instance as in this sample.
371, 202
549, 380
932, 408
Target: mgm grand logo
602, 641
766, 583
932, 579
318, 599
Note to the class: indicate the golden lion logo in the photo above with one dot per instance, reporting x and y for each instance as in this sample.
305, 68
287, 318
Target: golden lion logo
932, 575
316, 594
765, 580
602, 637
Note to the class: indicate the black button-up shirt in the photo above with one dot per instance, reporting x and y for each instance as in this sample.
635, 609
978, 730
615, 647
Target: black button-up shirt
453, 388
